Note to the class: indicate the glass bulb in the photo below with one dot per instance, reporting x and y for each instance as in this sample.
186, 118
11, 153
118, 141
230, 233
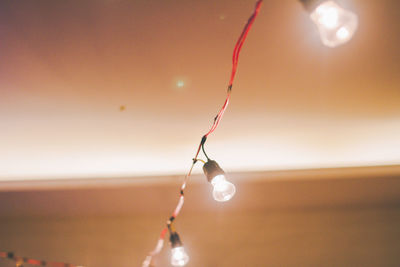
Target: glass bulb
179, 257
336, 25
223, 190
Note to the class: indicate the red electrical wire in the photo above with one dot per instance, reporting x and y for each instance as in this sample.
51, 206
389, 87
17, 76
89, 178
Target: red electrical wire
217, 119
235, 61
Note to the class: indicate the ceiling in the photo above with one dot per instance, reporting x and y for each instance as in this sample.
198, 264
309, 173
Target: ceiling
127, 88
350, 217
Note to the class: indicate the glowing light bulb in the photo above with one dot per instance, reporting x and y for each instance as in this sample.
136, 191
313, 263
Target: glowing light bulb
336, 25
179, 256
223, 190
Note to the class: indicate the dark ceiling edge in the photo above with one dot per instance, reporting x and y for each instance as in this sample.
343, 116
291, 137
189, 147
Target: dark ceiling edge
276, 175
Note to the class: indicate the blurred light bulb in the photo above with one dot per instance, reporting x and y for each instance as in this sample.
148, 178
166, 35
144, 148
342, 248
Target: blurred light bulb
179, 257
223, 190
336, 25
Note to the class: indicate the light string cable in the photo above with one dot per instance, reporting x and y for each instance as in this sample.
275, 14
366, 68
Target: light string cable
235, 60
20, 261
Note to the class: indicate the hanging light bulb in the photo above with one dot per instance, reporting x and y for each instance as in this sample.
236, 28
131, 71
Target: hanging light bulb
223, 190
336, 25
179, 257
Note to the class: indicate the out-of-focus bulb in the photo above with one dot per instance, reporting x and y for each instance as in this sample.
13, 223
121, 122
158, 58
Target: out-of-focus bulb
223, 190
336, 25
179, 256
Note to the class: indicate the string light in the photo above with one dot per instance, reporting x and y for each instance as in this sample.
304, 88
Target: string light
20, 261
223, 190
336, 25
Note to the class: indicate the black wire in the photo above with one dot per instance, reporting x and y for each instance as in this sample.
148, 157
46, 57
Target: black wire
204, 151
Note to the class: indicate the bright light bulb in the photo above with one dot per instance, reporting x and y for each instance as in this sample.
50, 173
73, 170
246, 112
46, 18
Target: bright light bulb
223, 190
336, 25
179, 257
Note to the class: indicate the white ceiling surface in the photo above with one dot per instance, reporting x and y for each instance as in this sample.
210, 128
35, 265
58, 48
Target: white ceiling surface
295, 103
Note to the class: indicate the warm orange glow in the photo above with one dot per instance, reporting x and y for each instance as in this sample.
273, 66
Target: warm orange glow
66, 70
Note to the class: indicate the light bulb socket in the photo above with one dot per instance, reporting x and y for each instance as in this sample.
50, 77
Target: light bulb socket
311, 5
212, 169
175, 240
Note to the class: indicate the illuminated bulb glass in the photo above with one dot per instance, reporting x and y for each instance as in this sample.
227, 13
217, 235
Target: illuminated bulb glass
179, 257
336, 25
223, 190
